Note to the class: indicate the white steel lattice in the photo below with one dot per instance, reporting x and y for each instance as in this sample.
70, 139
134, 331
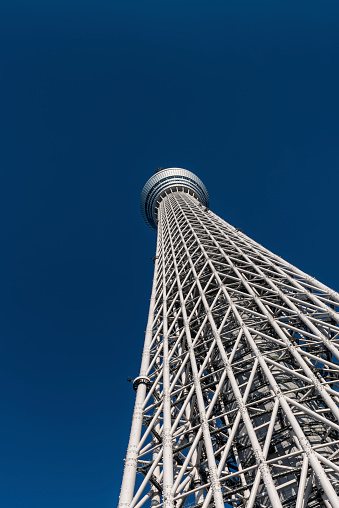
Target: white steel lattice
237, 397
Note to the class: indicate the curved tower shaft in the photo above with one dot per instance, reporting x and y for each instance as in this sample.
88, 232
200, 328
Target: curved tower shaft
238, 392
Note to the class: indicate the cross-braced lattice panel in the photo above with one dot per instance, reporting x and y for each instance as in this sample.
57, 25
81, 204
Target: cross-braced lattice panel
242, 400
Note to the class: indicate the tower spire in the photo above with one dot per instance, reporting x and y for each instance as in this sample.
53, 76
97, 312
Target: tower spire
237, 395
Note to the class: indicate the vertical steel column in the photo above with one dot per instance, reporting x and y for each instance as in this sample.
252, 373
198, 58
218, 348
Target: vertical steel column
166, 433
130, 469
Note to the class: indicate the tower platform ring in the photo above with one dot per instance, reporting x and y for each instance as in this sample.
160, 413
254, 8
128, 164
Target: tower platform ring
165, 180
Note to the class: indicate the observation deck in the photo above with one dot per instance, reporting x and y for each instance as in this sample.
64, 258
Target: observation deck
165, 181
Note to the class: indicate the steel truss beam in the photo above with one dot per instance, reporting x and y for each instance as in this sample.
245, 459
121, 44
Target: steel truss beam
238, 391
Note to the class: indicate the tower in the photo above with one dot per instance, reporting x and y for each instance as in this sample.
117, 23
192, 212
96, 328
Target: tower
237, 396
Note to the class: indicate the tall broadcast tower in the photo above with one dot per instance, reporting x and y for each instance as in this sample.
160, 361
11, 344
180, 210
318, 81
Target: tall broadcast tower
238, 393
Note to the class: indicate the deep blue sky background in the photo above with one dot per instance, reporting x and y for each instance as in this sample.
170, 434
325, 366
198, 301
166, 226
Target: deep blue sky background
94, 96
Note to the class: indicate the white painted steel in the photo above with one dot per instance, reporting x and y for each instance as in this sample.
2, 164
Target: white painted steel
237, 395
166, 433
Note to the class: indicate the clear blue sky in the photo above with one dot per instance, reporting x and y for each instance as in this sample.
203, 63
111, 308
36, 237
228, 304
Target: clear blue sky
94, 96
